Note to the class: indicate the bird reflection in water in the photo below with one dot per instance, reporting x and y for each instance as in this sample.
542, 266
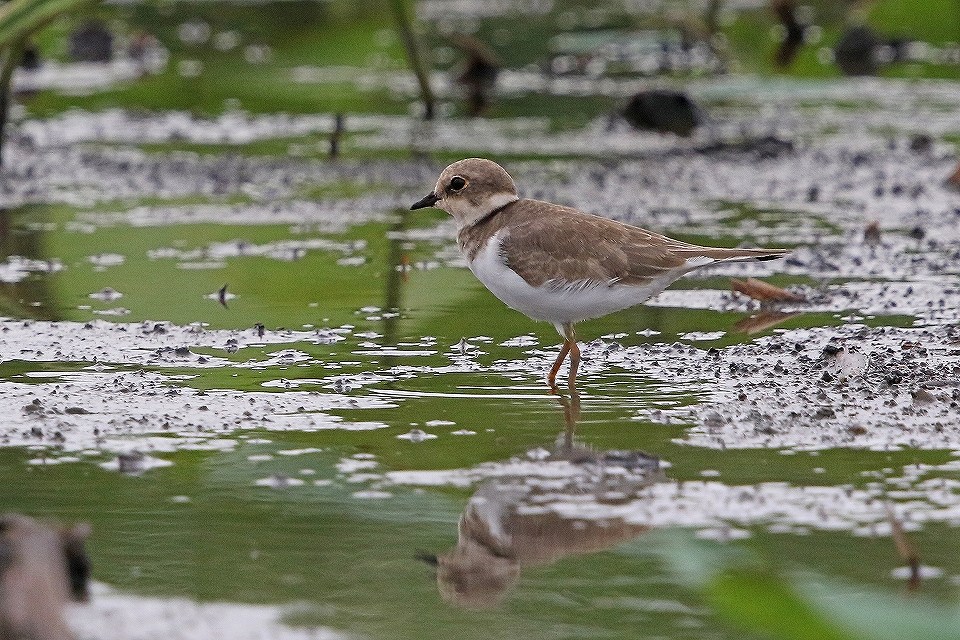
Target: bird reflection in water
524, 519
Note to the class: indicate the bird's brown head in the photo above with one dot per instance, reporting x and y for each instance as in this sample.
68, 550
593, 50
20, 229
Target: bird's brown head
470, 190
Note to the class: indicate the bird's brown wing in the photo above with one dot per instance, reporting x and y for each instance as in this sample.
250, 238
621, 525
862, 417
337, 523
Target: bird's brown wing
548, 243
561, 245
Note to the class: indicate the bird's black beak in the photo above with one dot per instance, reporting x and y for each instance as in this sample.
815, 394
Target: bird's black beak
428, 201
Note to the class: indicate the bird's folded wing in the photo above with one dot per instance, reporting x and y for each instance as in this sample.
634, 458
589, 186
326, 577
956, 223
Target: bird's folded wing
571, 248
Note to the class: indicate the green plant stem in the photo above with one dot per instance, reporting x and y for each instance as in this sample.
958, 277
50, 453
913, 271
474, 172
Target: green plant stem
12, 54
405, 26
20, 18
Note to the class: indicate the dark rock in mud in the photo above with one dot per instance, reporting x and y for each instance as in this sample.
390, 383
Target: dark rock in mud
856, 51
34, 407
921, 143
663, 111
91, 42
861, 51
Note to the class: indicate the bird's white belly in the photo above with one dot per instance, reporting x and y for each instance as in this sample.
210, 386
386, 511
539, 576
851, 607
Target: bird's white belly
553, 303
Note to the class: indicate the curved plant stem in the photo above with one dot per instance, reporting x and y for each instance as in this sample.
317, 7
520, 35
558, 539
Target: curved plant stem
11, 56
405, 26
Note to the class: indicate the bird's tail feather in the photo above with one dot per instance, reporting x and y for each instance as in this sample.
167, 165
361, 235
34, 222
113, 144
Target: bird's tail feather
731, 255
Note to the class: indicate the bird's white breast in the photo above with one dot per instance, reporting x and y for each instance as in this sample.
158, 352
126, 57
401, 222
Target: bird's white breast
558, 302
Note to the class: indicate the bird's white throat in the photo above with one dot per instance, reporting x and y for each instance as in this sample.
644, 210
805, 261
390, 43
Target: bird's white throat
467, 214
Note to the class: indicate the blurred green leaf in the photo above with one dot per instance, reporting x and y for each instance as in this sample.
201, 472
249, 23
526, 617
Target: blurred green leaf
881, 615
762, 602
752, 595
21, 17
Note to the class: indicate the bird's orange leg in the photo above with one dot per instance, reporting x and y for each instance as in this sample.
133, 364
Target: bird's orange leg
552, 378
571, 336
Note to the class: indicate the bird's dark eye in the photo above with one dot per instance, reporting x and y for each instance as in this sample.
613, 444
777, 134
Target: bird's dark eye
457, 183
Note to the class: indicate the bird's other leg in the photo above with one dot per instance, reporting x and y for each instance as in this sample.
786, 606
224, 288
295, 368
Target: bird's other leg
571, 337
552, 377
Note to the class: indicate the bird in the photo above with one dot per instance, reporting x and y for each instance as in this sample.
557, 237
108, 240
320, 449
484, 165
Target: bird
559, 264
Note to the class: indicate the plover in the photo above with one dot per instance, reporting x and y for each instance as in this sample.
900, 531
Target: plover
558, 264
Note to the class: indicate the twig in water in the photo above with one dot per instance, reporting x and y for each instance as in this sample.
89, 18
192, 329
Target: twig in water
905, 549
335, 135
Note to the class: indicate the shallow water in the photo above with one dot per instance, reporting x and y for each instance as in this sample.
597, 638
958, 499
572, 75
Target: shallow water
290, 454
